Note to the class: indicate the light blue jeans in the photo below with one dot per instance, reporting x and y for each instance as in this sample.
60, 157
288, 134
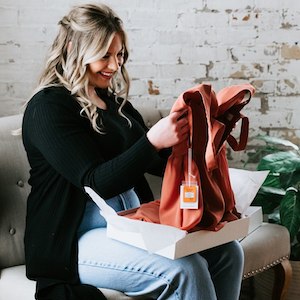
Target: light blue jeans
211, 274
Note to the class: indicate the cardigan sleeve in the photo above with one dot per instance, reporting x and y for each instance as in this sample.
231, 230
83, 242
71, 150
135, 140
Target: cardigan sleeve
157, 166
66, 142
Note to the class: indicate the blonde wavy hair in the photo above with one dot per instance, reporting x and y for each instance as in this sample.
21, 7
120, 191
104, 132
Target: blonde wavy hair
90, 29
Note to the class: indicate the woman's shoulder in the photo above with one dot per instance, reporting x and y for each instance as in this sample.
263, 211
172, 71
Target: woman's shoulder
53, 96
50, 94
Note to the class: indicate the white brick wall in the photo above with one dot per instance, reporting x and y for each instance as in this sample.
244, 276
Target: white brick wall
176, 44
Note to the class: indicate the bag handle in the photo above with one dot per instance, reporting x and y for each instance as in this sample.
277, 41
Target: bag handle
241, 145
231, 101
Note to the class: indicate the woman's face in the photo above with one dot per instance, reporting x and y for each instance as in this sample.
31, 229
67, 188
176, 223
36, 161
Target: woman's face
101, 72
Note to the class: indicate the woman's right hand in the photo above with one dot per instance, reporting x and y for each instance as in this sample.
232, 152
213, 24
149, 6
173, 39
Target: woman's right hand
169, 131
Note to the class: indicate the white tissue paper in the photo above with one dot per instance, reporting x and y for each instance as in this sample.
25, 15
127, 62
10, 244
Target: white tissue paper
245, 185
143, 234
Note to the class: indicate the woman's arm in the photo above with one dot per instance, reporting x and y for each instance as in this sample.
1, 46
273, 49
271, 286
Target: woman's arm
64, 141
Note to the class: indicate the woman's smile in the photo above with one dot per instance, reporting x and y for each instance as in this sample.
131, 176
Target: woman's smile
106, 75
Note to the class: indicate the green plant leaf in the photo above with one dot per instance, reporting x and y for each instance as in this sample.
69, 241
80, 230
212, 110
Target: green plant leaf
277, 141
272, 180
274, 217
264, 190
298, 237
281, 188
268, 201
280, 162
289, 179
290, 211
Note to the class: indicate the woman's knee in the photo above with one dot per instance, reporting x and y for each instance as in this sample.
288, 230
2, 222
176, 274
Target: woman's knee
193, 278
225, 258
193, 268
235, 252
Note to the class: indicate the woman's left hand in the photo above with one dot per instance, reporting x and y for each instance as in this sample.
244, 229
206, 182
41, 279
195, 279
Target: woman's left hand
169, 131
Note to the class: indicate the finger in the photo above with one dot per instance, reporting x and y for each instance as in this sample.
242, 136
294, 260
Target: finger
177, 115
185, 129
183, 122
183, 115
183, 137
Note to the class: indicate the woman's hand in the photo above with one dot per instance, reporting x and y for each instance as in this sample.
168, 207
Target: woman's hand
170, 130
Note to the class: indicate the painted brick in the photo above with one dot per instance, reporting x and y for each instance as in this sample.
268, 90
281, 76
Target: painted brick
260, 19
284, 69
261, 53
166, 54
203, 54
237, 70
288, 87
200, 19
290, 19
264, 86
138, 87
278, 36
51, 17
175, 44
230, 36
154, 19
8, 17
27, 34
148, 36
278, 4
141, 71
290, 51
229, 4
180, 5
175, 37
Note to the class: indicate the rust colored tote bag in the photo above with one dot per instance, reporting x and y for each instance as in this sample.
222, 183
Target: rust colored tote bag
211, 119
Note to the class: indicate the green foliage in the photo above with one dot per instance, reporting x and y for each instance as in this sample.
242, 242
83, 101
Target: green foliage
279, 195
290, 211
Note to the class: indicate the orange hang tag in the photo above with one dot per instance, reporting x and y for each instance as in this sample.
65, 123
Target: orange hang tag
189, 190
189, 195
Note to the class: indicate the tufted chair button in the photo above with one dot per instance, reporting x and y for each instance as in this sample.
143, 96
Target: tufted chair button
20, 183
149, 124
12, 231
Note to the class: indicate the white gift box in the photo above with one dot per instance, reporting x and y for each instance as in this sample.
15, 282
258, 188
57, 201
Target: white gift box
190, 242
173, 242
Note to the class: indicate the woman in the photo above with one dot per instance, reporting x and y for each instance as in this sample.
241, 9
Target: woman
80, 130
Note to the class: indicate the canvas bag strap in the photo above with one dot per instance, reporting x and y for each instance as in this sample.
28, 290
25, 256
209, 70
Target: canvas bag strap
243, 138
231, 101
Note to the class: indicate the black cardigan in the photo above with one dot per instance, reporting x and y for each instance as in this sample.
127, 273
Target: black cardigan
65, 153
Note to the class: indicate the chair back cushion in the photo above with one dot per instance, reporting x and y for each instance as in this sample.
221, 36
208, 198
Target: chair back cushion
14, 189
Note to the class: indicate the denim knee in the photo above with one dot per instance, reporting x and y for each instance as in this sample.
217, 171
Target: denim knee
236, 253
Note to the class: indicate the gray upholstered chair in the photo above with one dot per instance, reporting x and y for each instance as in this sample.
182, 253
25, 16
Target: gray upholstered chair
267, 247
